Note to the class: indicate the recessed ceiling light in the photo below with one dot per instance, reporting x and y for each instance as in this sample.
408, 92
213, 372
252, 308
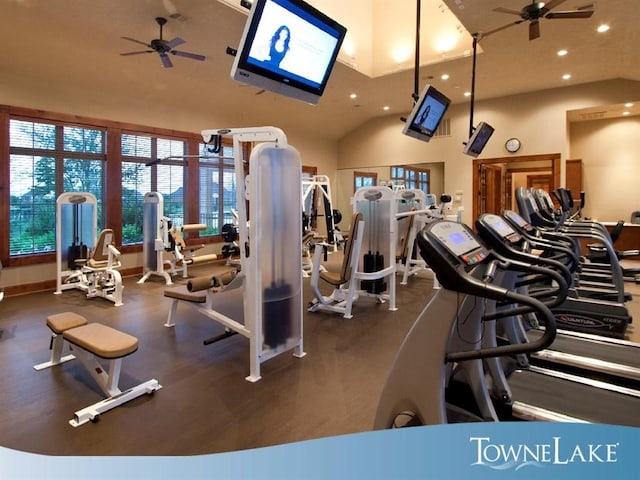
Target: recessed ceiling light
603, 28
628, 105
566, 76
445, 76
467, 94
353, 95
386, 107
562, 53
626, 113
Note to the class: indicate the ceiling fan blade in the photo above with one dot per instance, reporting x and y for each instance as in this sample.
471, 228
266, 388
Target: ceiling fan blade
570, 14
175, 42
193, 56
166, 61
551, 4
534, 30
136, 41
507, 10
490, 32
136, 53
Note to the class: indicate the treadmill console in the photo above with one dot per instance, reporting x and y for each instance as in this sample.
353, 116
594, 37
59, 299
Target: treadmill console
516, 219
501, 228
459, 241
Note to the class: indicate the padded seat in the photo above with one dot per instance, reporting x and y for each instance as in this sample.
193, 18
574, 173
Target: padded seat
182, 293
60, 322
343, 276
102, 341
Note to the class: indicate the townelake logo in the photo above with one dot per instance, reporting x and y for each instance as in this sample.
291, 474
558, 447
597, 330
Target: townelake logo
501, 456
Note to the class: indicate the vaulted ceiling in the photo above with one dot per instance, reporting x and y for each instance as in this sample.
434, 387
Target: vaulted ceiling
76, 44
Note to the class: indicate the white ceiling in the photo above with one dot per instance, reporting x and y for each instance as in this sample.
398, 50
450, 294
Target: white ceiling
77, 43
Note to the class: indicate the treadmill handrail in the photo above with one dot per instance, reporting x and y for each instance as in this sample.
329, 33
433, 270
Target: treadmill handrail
481, 289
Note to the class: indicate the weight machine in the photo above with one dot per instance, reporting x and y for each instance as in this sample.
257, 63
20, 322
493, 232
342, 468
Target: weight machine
316, 191
271, 258
83, 261
160, 236
414, 210
375, 209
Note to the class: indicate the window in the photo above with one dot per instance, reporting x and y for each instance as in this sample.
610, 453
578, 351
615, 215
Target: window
165, 177
217, 189
45, 160
364, 179
413, 177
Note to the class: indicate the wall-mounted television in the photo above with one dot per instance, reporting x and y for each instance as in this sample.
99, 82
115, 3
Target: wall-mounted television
427, 114
288, 47
478, 139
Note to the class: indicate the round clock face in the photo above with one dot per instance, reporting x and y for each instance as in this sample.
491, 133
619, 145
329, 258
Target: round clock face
512, 145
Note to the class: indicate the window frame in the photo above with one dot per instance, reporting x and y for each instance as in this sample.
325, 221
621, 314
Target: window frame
112, 188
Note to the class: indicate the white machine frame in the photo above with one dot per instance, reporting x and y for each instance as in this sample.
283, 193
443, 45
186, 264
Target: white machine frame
107, 380
423, 214
343, 297
157, 241
322, 184
102, 282
273, 146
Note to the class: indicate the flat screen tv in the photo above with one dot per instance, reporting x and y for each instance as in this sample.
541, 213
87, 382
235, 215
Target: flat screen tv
427, 114
478, 139
288, 47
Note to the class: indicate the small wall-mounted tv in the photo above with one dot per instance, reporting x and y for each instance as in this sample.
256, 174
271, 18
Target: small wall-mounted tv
478, 139
427, 114
288, 47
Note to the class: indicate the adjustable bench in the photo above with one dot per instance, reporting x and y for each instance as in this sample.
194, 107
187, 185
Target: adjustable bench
91, 342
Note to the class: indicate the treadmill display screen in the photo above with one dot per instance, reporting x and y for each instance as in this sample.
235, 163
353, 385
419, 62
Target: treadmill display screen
515, 218
455, 238
499, 226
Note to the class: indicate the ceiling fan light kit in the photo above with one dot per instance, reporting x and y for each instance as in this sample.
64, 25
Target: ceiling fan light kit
163, 47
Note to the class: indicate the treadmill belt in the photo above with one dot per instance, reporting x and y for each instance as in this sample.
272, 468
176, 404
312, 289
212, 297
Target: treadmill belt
576, 400
621, 354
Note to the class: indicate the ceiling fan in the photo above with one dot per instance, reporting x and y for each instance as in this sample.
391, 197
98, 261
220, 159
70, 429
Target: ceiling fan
537, 10
163, 47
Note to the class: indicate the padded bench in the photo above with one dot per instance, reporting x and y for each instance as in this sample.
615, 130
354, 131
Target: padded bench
90, 342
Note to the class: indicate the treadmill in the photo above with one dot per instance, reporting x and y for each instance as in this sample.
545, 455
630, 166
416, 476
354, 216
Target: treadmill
584, 314
616, 360
535, 393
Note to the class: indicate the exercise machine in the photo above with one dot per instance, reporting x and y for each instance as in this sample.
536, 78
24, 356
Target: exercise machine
362, 274
161, 237
83, 261
269, 285
415, 388
94, 344
316, 202
579, 312
613, 358
414, 210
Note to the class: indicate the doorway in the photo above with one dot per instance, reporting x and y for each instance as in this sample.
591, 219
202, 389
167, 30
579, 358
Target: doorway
494, 183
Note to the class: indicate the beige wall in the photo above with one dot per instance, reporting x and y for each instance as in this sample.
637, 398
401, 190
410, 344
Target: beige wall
610, 153
538, 119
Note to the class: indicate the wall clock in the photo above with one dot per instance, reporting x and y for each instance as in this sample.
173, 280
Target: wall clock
512, 145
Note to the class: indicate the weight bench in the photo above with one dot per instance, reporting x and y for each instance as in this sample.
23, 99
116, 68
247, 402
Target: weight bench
91, 342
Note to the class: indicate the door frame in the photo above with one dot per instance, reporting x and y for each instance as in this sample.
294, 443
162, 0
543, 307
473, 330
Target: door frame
554, 158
